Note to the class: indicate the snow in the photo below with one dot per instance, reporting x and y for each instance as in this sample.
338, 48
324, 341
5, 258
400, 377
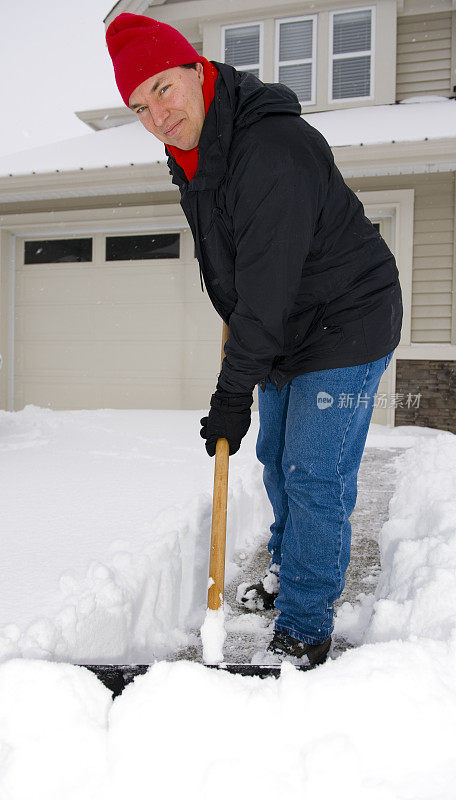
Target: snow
112, 147
132, 144
53, 724
105, 521
424, 98
416, 596
375, 723
412, 122
213, 635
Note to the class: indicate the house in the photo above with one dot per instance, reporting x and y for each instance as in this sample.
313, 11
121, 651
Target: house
101, 303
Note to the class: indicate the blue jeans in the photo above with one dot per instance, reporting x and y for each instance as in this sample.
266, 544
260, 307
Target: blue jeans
311, 441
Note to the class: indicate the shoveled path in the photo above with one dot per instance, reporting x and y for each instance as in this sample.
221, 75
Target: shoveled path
248, 633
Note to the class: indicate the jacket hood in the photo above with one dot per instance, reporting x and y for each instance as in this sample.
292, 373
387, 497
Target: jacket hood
255, 100
240, 100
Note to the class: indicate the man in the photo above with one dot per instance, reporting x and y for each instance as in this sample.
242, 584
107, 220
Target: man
310, 292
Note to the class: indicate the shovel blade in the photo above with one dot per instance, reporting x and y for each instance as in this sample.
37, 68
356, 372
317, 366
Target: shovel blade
117, 676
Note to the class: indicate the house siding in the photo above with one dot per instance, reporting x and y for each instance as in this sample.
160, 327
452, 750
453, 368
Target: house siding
423, 64
433, 246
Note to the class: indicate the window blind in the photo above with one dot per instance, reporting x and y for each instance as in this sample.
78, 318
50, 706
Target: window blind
295, 57
295, 40
352, 33
242, 47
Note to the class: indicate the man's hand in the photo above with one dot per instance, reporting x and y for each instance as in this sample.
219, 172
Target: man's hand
229, 418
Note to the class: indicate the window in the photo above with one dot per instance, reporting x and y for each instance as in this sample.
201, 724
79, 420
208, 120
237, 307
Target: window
57, 251
351, 54
296, 49
134, 248
242, 47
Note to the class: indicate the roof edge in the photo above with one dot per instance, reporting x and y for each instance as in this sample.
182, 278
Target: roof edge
392, 158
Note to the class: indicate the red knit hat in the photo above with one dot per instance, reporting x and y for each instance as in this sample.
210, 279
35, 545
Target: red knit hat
140, 47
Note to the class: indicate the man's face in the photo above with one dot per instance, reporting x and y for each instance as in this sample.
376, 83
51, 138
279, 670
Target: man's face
170, 105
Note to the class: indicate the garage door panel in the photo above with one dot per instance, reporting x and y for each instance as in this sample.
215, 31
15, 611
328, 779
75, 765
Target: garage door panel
55, 285
151, 359
57, 394
197, 393
49, 358
202, 360
46, 323
179, 322
157, 322
90, 359
166, 393
153, 393
86, 285
138, 286
201, 323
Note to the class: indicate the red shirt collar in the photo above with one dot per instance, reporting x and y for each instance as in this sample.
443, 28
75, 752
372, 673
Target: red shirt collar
188, 159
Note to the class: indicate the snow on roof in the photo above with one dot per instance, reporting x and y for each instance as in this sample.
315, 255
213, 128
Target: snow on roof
411, 120
114, 147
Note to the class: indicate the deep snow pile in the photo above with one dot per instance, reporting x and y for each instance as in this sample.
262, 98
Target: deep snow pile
105, 520
377, 723
416, 594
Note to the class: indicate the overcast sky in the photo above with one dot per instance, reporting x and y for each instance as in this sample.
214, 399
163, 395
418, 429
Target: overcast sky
53, 62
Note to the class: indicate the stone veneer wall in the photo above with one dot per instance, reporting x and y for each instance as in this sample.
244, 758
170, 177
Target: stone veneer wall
436, 382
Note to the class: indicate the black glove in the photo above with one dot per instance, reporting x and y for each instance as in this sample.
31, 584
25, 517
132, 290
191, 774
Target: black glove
229, 418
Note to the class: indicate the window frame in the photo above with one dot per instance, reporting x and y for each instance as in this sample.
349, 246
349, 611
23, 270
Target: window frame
62, 238
126, 261
260, 23
313, 60
338, 57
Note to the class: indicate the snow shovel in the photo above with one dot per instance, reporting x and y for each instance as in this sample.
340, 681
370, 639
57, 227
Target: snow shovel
213, 625
117, 676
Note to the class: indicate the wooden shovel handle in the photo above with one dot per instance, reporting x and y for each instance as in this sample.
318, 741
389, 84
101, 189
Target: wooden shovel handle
219, 506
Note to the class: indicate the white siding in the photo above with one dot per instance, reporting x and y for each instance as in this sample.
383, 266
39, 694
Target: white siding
433, 258
433, 244
423, 55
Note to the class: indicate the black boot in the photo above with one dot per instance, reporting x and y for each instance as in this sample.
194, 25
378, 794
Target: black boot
286, 648
260, 596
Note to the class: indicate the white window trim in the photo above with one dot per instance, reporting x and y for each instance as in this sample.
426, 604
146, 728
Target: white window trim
312, 60
397, 204
248, 67
332, 58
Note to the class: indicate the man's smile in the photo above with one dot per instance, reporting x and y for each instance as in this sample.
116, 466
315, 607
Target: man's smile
173, 130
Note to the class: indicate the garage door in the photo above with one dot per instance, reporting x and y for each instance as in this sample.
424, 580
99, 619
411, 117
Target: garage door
114, 320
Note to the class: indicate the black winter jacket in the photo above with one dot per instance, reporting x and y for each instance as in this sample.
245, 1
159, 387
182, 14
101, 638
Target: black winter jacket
290, 262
